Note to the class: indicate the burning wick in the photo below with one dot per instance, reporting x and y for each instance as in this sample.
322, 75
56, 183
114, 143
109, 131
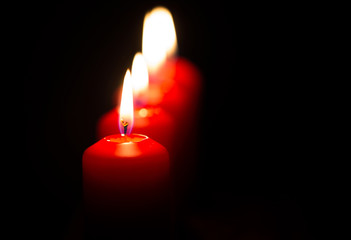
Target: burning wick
125, 126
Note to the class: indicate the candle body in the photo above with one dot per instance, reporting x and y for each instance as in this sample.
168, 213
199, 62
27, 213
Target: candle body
126, 187
177, 88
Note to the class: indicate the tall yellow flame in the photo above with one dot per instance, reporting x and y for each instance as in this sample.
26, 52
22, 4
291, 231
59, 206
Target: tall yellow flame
159, 37
126, 110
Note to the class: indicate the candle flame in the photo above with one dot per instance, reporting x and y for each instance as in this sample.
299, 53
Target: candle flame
140, 79
159, 37
126, 110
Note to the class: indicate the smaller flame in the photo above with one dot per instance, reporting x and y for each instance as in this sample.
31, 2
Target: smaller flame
140, 79
159, 37
126, 110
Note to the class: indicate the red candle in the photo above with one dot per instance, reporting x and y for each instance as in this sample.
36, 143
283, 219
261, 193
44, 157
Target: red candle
125, 180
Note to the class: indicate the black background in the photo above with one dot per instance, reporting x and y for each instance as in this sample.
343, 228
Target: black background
257, 176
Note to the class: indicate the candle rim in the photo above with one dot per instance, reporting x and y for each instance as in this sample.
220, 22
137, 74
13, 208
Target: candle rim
125, 139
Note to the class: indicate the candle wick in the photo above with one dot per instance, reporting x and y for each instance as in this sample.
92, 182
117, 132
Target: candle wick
125, 126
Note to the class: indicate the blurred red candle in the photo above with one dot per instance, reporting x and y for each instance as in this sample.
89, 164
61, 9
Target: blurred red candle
125, 180
150, 120
175, 85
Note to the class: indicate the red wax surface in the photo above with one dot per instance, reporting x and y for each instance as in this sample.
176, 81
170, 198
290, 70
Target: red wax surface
125, 180
157, 124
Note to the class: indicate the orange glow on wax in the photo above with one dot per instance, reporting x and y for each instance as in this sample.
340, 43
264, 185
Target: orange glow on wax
159, 38
126, 110
140, 80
